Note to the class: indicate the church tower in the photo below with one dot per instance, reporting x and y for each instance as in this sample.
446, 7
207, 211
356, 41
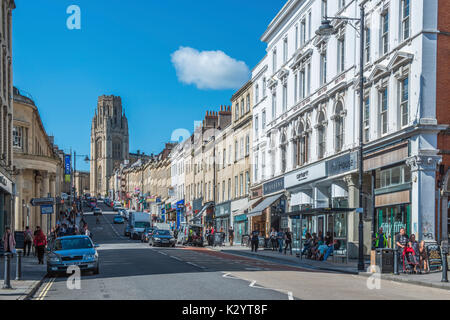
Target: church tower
109, 142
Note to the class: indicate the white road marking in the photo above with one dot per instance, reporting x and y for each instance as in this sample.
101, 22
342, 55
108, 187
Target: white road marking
176, 258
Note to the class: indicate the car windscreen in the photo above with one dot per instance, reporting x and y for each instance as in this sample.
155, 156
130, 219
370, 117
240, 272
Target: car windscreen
70, 244
162, 233
141, 224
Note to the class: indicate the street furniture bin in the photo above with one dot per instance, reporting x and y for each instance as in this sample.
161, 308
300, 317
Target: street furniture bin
385, 260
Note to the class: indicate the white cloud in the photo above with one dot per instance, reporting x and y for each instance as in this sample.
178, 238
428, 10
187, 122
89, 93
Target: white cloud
209, 69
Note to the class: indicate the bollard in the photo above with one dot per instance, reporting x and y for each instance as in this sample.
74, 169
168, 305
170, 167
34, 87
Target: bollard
7, 279
444, 267
19, 266
396, 262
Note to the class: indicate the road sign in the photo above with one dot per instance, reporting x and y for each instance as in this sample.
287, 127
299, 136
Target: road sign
42, 201
47, 209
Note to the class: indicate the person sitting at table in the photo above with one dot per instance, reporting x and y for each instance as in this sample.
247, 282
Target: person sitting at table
331, 247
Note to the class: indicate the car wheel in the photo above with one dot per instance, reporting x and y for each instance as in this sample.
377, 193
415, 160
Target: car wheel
97, 270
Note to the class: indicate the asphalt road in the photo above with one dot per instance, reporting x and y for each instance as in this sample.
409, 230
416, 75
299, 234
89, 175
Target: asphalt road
134, 270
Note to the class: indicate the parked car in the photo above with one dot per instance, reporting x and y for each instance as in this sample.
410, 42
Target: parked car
162, 238
117, 208
72, 250
118, 219
147, 234
97, 211
123, 213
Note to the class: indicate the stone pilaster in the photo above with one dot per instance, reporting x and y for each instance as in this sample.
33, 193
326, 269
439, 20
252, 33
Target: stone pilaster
423, 195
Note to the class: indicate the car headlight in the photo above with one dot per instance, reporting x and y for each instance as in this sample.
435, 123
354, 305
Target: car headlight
89, 257
54, 258
156, 239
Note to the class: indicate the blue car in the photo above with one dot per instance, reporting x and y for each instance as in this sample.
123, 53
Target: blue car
72, 250
118, 219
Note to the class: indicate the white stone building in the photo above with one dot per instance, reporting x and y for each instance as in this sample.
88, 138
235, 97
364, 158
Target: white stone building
306, 118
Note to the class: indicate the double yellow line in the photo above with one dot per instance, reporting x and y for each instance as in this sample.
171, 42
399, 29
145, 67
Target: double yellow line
46, 289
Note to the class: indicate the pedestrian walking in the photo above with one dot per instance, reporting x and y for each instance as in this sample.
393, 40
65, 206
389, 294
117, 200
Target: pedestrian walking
28, 241
280, 238
231, 235
273, 239
40, 241
255, 241
288, 241
9, 243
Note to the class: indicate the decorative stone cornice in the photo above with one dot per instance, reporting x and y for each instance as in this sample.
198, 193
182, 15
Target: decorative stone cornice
423, 162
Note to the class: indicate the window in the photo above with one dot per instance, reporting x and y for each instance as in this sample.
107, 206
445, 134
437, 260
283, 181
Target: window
341, 4
248, 103
303, 33
229, 189
263, 164
18, 137
224, 157
256, 125
384, 110
324, 8
285, 50
236, 150
404, 98
385, 32
247, 182
264, 87
308, 79
256, 94
366, 119
274, 105
241, 185
247, 145
341, 55
321, 136
274, 60
256, 167
283, 159
295, 88
223, 190
242, 148
367, 46
242, 107
339, 127
236, 186
302, 84
284, 97
236, 112
392, 177
405, 18
296, 37
323, 68
309, 26
229, 155
263, 119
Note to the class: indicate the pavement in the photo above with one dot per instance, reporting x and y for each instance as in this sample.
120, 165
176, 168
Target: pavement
432, 279
33, 275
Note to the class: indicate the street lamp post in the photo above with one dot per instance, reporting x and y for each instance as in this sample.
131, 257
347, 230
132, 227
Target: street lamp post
327, 29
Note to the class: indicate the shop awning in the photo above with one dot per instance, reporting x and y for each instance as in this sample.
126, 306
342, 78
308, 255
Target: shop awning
264, 205
198, 215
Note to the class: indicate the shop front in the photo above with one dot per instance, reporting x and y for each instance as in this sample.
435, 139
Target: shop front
267, 214
180, 213
6, 191
222, 216
322, 189
239, 220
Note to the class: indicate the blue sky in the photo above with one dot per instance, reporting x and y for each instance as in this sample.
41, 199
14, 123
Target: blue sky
125, 48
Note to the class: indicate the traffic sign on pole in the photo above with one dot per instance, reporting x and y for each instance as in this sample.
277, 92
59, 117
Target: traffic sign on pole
41, 201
